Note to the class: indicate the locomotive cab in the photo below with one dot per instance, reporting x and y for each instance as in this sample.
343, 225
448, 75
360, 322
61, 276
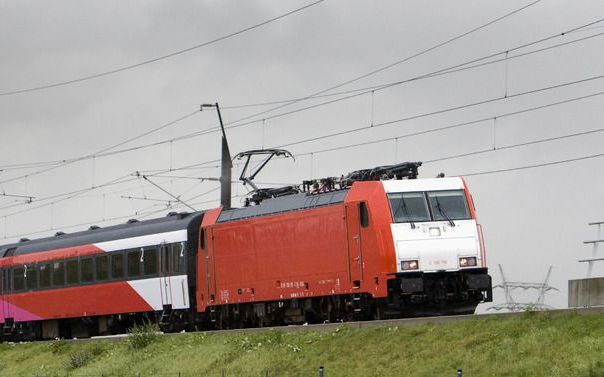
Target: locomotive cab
440, 259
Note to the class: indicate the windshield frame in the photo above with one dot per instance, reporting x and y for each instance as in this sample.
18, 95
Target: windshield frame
433, 213
406, 216
446, 214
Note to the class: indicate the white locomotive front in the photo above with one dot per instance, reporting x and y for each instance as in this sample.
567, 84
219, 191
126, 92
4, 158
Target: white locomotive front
438, 245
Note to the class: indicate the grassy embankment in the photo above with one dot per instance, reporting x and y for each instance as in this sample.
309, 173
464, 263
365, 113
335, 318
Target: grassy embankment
528, 345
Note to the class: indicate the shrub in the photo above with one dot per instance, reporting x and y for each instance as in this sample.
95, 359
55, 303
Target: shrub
140, 336
78, 359
57, 346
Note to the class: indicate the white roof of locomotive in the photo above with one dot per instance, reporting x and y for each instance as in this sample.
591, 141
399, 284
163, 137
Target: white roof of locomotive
428, 184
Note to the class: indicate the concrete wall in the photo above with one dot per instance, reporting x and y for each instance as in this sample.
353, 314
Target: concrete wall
585, 292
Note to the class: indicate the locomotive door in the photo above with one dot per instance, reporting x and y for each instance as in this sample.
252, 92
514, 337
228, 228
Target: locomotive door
208, 266
354, 247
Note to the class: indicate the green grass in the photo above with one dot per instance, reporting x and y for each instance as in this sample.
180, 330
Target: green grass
528, 345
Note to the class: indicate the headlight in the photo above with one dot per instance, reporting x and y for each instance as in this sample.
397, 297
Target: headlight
409, 265
467, 261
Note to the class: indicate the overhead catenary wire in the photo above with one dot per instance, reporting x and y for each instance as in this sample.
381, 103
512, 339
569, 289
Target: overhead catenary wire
158, 58
445, 71
533, 166
440, 111
387, 86
505, 147
142, 214
517, 145
451, 69
312, 96
397, 62
167, 192
80, 192
70, 195
361, 91
450, 109
490, 149
102, 152
103, 220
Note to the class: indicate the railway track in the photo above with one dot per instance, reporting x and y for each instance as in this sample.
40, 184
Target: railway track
326, 327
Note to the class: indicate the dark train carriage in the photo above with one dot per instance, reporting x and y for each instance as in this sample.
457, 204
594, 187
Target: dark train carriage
101, 280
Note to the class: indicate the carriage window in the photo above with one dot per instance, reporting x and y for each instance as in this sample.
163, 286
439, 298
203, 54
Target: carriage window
364, 214
31, 277
87, 266
150, 262
72, 272
117, 266
58, 274
165, 259
45, 275
18, 279
102, 267
178, 258
202, 239
134, 263
448, 205
6, 278
408, 207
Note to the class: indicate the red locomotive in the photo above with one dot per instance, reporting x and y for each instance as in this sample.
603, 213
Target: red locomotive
370, 248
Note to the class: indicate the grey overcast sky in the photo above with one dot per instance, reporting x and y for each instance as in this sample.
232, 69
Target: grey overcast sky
532, 218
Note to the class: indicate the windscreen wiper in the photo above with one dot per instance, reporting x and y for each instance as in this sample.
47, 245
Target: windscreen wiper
442, 211
403, 205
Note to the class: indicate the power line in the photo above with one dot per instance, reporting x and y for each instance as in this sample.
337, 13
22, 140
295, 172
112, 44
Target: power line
167, 192
156, 59
455, 108
79, 192
577, 134
448, 70
446, 127
100, 153
587, 157
451, 69
445, 71
398, 62
429, 75
140, 214
299, 99
68, 196
499, 148
517, 145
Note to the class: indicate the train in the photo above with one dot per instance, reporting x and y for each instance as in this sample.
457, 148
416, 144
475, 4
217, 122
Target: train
383, 243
